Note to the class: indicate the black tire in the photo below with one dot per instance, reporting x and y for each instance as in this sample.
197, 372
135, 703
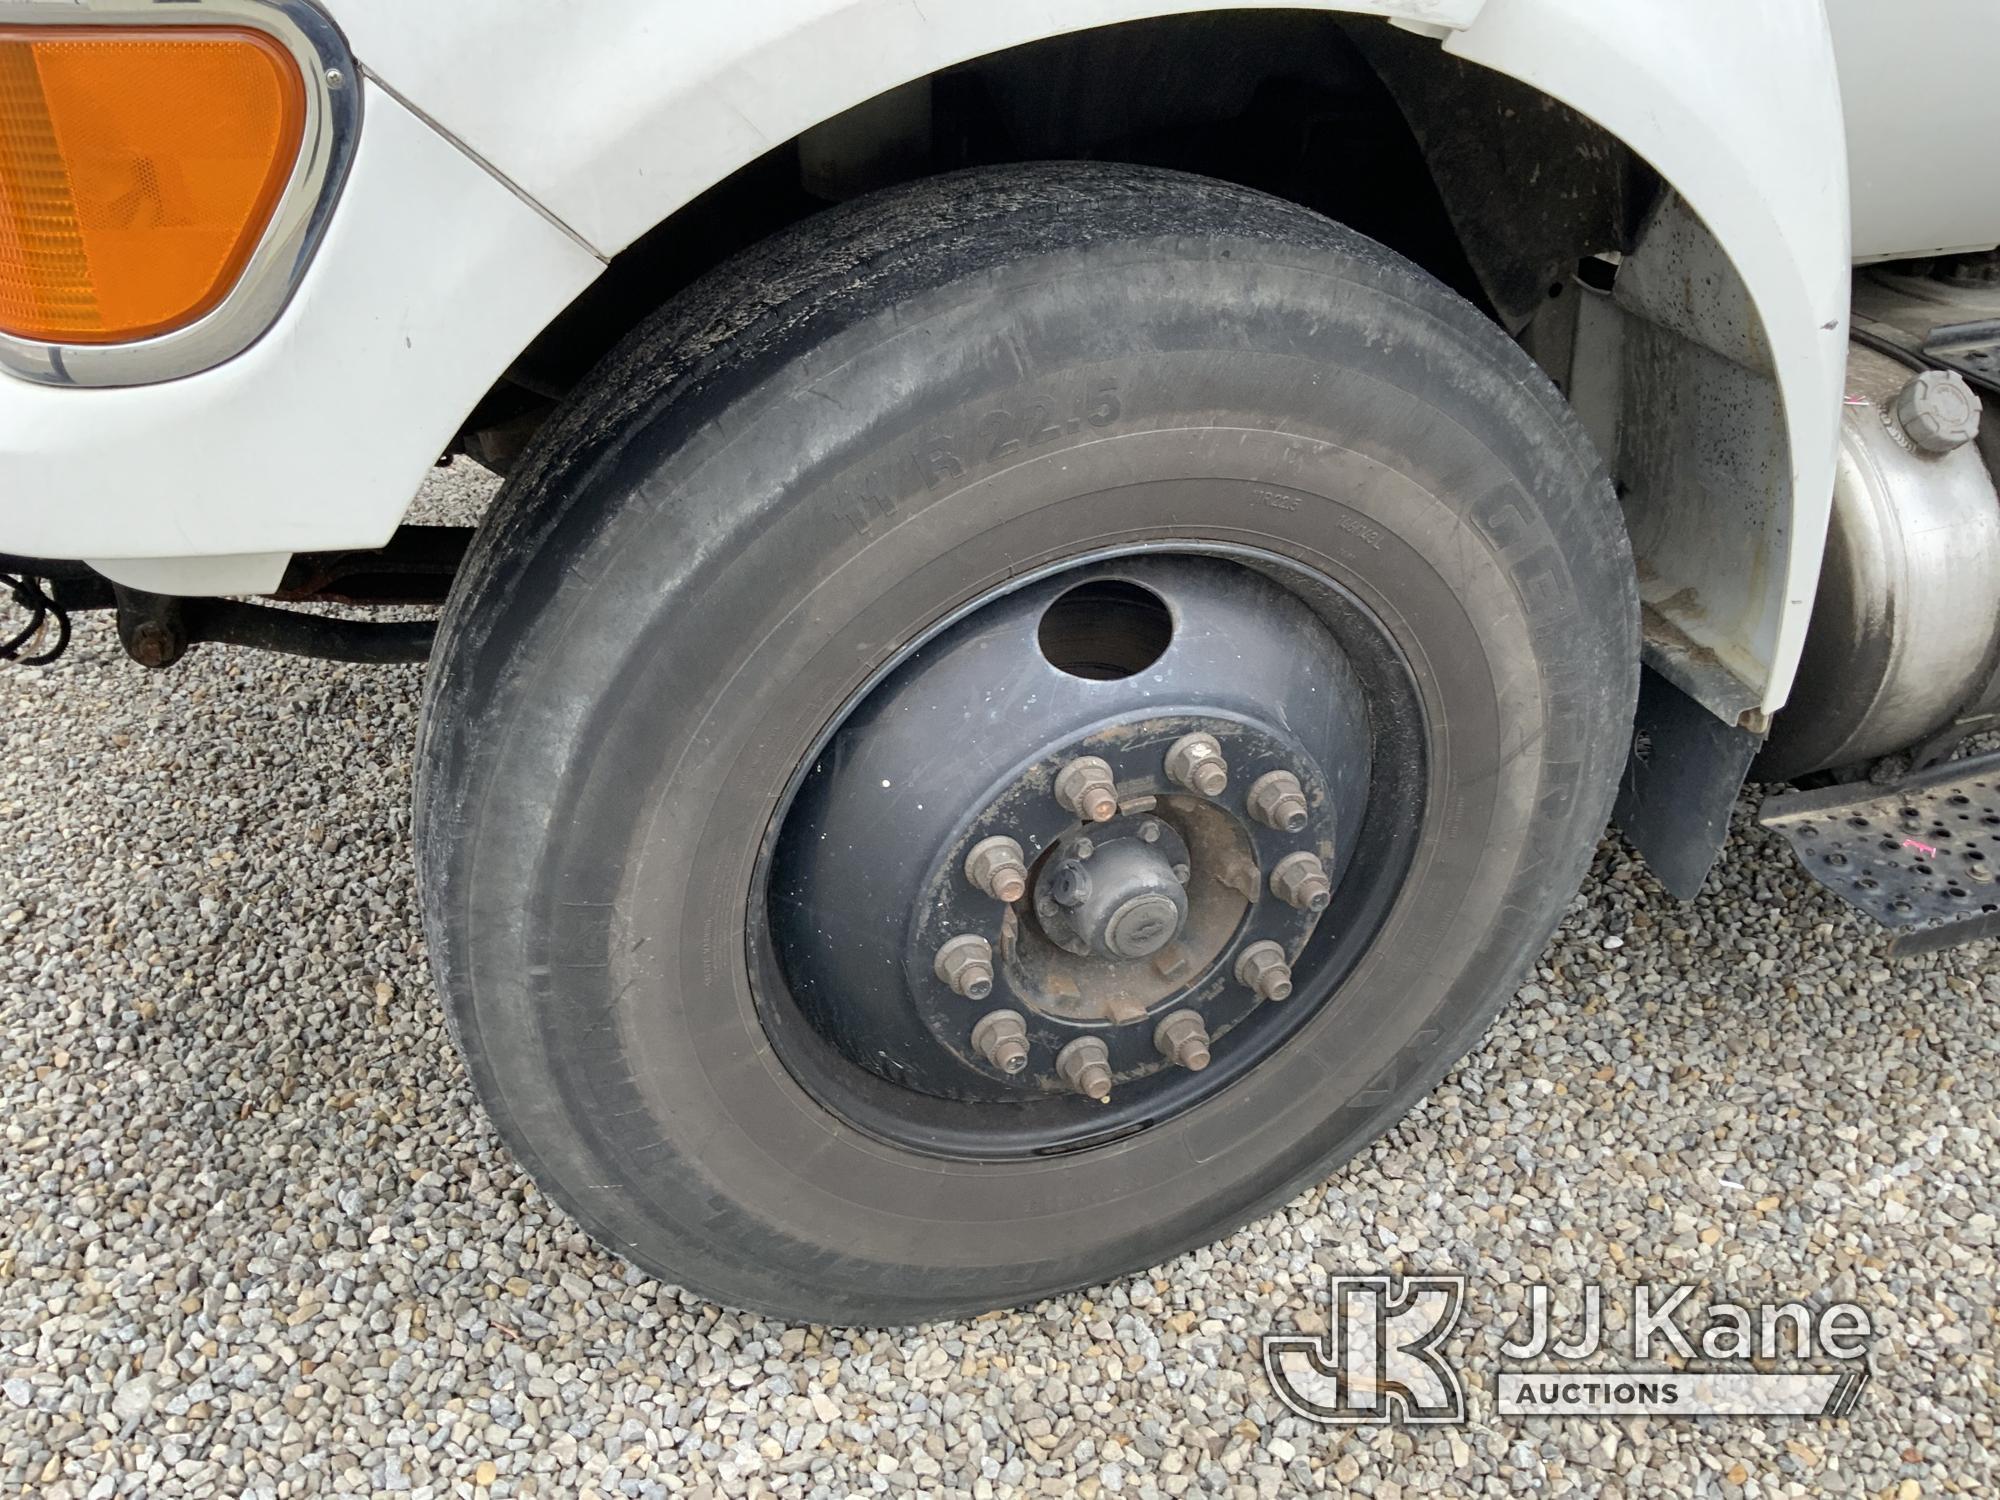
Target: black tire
770, 487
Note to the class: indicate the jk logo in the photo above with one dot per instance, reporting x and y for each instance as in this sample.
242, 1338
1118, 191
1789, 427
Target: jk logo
1380, 1359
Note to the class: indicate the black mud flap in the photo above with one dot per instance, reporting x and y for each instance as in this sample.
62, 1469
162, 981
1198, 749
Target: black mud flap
1680, 784
1921, 856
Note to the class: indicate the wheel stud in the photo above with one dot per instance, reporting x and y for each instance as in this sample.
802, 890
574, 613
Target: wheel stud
1001, 1037
1262, 967
966, 964
1195, 762
1300, 880
1085, 1065
1183, 1040
998, 867
1084, 787
1278, 801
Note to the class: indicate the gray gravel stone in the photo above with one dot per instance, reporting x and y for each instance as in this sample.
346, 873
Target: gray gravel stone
259, 1240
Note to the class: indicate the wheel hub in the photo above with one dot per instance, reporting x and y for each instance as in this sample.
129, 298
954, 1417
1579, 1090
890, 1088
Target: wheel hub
1113, 893
1050, 858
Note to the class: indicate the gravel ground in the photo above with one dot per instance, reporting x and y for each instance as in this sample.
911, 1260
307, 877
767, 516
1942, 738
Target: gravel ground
258, 1239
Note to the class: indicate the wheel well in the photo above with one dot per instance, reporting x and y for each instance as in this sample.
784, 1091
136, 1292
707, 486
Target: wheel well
1484, 182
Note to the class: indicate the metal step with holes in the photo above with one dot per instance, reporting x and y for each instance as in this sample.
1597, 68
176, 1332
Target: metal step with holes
1921, 856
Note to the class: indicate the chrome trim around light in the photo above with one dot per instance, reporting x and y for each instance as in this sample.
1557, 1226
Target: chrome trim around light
272, 274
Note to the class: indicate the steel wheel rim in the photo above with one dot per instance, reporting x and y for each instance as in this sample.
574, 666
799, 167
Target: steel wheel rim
1369, 869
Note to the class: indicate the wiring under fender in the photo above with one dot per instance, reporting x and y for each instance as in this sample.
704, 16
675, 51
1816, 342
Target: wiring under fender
42, 611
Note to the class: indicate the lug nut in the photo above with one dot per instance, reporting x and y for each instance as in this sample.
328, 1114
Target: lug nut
998, 867
1262, 967
1085, 1065
1183, 1040
1195, 762
1084, 787
966, 964
1278, 801
1300, 880
1002, 1039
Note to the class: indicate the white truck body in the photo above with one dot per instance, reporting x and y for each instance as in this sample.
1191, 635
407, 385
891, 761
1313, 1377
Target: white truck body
507, 154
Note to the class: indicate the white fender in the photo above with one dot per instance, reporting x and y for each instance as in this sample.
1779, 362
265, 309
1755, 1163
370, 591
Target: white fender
1738, 108
614, 113
591, 121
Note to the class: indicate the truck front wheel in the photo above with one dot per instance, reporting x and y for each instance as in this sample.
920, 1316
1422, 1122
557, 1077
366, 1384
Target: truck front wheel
1007, 731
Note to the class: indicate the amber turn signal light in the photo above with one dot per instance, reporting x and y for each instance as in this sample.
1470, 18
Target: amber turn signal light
139, 168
